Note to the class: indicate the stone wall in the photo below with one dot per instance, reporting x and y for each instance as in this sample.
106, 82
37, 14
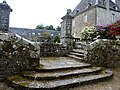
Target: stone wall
106, 17
78, 22
52, 49
104, 53
15, 56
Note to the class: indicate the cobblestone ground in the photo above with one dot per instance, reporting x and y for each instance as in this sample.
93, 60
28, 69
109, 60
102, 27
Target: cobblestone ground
113, 84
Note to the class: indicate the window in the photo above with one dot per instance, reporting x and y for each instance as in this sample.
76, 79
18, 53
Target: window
113, 17
85, 18
33, 33
103, 2
116, 8
73, 23
38, 33
96, 2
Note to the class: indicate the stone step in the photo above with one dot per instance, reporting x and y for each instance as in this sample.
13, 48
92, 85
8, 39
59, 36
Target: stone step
59, 73
75, 57
50, 64
68, 67
78, 51
21, 83
77, 54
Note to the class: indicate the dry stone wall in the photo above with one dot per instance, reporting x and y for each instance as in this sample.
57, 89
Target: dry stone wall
104, 53
15, 56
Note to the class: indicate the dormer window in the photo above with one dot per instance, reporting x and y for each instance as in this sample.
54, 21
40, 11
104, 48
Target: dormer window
116, 8
103, 2
76, 11
96, 2
89, 4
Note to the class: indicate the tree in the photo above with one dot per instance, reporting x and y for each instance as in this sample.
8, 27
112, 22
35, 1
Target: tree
58, 28
40, 26
57, 39
50, 27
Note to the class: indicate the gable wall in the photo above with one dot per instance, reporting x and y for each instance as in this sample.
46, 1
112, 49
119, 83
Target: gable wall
78, 22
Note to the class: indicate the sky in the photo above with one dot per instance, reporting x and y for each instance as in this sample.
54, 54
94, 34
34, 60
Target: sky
30, 13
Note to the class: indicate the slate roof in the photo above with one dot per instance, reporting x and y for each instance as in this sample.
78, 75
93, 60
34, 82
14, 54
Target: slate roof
84, 4
25, 32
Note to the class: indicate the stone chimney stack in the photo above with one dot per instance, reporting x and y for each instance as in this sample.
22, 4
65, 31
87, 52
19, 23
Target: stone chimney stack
68, 11
117, 3
107, 4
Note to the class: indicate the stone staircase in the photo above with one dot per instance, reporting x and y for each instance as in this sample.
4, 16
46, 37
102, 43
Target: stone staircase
77, 54
57, 74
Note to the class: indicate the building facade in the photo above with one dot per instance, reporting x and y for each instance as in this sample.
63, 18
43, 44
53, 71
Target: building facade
93, 13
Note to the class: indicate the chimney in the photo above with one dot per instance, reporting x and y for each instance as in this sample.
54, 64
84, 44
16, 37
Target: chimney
68, 11
107, 4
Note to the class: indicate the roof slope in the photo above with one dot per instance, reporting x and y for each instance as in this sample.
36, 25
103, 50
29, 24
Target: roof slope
84, 4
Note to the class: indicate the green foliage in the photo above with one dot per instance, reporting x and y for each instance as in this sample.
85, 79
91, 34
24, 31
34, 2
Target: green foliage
58, 28
40, 26
57, 39
50, 27
88, 33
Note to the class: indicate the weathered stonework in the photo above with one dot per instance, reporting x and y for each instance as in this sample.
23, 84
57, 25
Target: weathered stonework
52, 49
16, 55
106, 17
79, 24
4, 16
66, 27
104, 53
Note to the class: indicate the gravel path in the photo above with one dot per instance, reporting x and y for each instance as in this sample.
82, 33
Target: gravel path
113, 84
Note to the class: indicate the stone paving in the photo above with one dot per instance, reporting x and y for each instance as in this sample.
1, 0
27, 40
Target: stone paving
60, 62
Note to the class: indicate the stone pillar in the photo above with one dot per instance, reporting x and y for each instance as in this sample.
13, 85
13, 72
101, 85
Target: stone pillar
66, 28
4, 16
107, 5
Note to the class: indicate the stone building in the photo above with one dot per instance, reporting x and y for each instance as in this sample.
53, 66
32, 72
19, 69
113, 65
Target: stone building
90, 13
33, 34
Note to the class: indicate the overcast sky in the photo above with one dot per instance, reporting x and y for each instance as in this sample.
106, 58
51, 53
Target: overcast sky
30, 13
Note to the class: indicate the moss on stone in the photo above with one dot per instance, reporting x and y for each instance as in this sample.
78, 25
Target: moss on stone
16, 78
24, 84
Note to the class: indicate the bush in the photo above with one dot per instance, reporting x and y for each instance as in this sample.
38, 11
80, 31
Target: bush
88, 34
109, 31
57, 39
